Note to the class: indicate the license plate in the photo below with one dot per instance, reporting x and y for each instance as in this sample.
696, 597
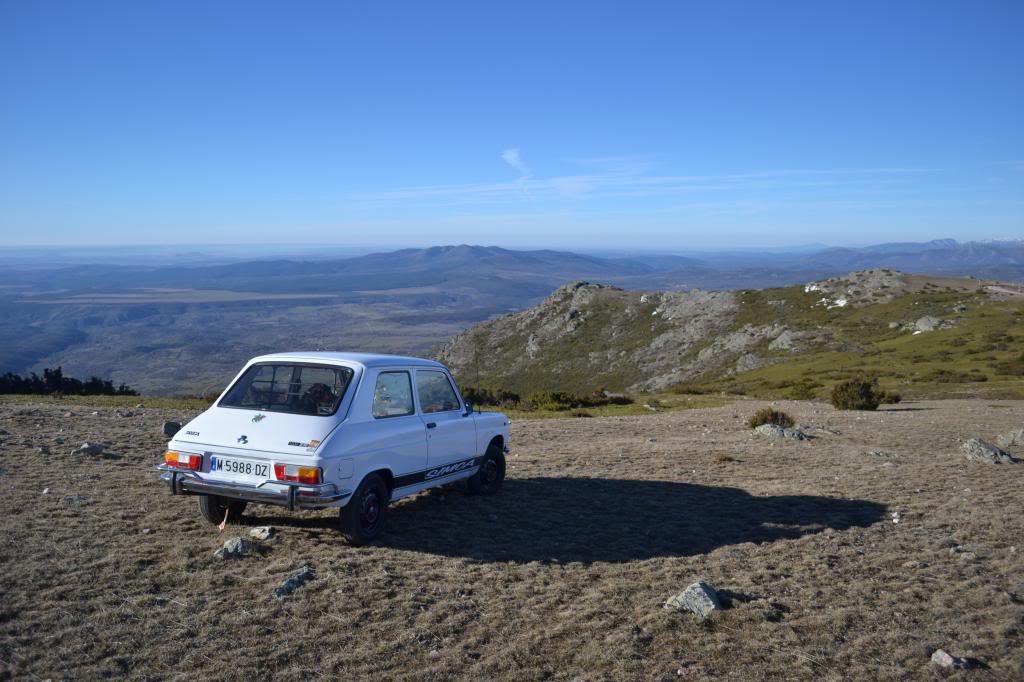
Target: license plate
239, 467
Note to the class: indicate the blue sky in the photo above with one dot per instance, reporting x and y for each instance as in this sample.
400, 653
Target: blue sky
642, 125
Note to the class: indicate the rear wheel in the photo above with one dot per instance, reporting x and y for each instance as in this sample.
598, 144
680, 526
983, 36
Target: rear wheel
488, 480
362, 519
213, 508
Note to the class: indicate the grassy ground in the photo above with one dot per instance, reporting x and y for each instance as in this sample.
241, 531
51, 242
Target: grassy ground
561, 576
982, 355
643, 404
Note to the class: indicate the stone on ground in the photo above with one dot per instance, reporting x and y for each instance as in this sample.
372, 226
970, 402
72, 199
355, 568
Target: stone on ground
89, 449
699, 598
947, 660
293, 583
235, 548
776, 431
261, 532
1011, 439
977, 450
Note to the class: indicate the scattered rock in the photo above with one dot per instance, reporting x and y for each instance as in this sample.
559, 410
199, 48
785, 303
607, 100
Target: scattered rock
95, 414
46, 491
776, 431
89, 449
139, 406
913, 564
881, 453
293, 583
43, 450
4, 432
75, 499
699, 598
235, 548
125, 413
261, 532
946, 660
1011, 439
815, 428
146, 531
434, 653
977, 450
895, 517
928, 323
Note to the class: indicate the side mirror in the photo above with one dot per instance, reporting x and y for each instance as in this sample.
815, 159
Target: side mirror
171, 428
469, 409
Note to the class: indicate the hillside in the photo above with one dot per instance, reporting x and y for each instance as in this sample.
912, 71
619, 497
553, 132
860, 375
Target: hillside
918, 334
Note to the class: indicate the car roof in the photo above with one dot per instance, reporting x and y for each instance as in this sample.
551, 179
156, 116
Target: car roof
364, 359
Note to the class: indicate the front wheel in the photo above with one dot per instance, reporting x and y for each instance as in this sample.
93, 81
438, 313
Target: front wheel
215, 509
362, 519
487, 481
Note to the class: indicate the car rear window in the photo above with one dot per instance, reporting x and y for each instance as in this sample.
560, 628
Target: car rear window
294, 388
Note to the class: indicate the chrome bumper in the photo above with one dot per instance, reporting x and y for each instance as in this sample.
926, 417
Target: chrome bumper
295, 496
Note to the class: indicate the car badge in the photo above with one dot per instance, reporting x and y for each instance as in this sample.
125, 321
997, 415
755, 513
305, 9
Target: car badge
244, 440
259, 418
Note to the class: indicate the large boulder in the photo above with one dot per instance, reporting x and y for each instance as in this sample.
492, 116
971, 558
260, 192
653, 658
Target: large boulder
977, 450
699, 598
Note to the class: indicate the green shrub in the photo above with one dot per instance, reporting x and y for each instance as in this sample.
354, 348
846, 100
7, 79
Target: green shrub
489, 397
856, 394
891, 398
769, 416
947, 376
554, 401
804, 390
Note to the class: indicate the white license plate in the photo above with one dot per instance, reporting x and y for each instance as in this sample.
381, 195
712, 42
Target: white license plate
239, 468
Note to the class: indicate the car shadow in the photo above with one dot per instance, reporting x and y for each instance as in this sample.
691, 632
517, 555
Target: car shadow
598, 519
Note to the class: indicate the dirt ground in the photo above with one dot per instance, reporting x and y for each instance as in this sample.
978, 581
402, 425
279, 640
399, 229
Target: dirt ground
562, 576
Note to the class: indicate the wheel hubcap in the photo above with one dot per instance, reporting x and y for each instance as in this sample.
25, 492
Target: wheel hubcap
490, 471
369, 509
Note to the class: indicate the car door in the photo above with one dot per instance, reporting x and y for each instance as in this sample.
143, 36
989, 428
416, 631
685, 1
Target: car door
396, 431
451, 436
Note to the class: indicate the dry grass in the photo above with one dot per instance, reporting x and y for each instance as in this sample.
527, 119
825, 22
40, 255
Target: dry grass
561, 576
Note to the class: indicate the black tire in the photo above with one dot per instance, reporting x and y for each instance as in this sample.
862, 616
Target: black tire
362, 519
213, 507
488, 479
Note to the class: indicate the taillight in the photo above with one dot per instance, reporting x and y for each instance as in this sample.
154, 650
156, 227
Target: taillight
297, 474
183, 460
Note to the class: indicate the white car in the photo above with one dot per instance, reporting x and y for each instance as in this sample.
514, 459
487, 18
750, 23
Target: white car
347, 430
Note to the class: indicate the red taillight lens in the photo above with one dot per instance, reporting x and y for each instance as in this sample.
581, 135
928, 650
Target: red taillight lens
183, 460
297, 474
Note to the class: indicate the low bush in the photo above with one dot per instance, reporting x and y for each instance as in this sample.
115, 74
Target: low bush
554, 401
489, 397
769, 416
947, 376
891, 398
856, 394
805, 390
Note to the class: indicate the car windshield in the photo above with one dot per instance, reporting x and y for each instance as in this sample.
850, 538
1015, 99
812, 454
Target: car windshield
294, 388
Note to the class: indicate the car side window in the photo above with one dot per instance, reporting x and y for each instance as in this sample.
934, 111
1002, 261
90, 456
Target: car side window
435, 391
392, 397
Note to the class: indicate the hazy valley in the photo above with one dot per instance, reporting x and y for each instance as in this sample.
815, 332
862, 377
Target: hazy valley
186, 323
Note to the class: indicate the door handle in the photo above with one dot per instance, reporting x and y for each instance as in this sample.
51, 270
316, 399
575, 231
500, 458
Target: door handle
431, 425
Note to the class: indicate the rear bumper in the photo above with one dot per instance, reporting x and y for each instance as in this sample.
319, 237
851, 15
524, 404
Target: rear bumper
293, 495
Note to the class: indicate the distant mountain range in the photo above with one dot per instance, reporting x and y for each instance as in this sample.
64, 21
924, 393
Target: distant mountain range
187, 325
